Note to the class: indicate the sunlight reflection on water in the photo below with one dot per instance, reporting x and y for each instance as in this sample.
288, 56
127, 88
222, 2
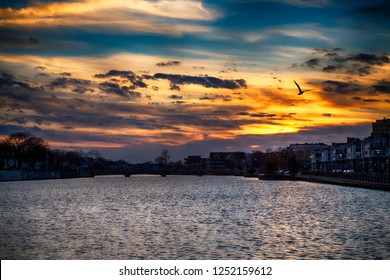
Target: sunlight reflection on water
190, 217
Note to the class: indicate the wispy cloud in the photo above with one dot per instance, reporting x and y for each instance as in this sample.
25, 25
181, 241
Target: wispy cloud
114, 15
303, 31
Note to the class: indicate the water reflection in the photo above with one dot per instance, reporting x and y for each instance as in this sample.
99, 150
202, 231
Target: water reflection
190, 217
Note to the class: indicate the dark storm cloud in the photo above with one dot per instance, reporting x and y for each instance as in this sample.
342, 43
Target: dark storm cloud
173, 86
43, 75
117, 73
266, 116
125, 91
340, 87
371, 100
312, 63
360, 70
383, 86
327, 114
45, 107
262, 115
206, 81
8, 80
225, 98
169, 63
331, 68
336, 61
207, 98
136, 80
63, 82
214, 96
289, 115
65, 74
82, 90
371, 59
174, 96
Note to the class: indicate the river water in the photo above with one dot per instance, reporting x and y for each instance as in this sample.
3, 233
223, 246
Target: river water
190, 217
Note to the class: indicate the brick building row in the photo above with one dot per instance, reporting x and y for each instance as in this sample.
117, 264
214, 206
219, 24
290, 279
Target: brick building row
371, 154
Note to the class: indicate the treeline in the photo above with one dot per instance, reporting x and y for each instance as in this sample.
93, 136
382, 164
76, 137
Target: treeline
24, 151
273, 161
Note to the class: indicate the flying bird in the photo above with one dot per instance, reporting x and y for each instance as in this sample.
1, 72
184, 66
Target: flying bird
299, 88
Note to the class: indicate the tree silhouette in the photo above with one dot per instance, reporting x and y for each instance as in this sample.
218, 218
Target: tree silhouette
23, 148
163, 159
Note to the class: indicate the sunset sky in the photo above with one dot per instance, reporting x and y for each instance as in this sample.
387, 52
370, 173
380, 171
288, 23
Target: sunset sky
132, 77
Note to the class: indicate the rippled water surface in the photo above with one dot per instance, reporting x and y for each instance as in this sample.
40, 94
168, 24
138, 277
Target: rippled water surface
190, 217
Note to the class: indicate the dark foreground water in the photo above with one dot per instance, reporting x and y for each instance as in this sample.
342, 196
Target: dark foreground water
189, 217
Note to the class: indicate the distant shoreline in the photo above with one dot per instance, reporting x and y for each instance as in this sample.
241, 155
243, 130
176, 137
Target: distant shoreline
266, 177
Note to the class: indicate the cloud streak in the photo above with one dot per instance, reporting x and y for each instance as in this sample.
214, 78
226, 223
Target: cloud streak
205, 81
134, 15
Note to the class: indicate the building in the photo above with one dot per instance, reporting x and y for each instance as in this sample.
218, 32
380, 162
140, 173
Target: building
303, 153
330, 158
226, 163
381, 128
371, 154
376, 154
316, 158
195, 164
354, 154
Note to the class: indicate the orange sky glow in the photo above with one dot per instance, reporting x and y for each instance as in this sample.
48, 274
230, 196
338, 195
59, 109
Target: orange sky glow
186, 75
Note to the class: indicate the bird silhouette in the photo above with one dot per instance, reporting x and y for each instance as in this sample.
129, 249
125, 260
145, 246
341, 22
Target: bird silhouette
299, 88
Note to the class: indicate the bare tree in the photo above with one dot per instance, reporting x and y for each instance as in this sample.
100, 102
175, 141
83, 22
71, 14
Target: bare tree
163, 159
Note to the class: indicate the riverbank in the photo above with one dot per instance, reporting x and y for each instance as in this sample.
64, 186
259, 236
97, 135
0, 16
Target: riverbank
343, 182
23, 175
329, 180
